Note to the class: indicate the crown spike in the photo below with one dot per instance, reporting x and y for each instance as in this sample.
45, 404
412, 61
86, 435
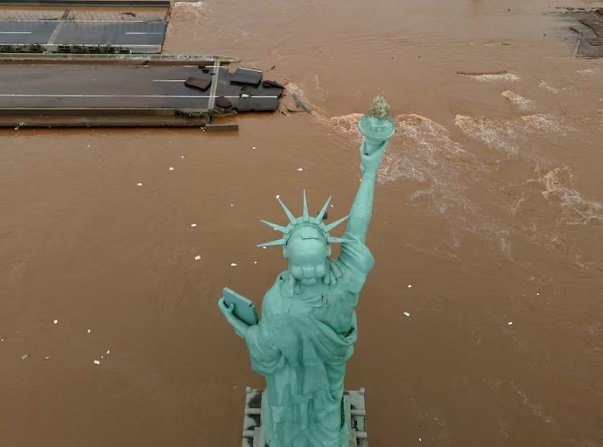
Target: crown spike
289, 214
306, 216
275, 226
273, 243
334, 224
321, 215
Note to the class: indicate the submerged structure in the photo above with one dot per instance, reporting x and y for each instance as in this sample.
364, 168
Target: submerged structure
308, 327
98, 63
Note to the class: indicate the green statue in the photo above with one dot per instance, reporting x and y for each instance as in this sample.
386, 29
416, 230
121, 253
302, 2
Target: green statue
308, 326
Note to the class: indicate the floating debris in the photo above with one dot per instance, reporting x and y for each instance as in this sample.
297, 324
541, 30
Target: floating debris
55, 321
407, 314
300, 104
300, 169
96, 362
171, 168
233, 264
198, 258
46, 357
89, 331
193, 225
255, 262
409, 286
108, 352
253, 147
24, 356
510, 323
138, 184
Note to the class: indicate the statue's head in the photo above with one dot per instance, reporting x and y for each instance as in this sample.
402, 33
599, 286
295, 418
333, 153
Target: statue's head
306, 243
307, 251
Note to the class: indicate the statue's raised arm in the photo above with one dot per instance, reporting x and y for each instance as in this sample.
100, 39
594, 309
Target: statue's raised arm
377, 127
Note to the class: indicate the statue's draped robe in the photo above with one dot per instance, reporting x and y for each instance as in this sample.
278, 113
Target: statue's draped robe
302, 344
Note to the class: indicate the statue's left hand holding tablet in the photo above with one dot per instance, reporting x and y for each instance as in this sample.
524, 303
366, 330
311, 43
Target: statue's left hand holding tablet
239, 311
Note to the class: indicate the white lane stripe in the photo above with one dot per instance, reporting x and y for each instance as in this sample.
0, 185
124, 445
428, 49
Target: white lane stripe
169, 80
25, 95
15, 32
139, 33
80, 21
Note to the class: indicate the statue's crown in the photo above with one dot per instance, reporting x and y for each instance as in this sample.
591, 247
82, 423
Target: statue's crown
304, 220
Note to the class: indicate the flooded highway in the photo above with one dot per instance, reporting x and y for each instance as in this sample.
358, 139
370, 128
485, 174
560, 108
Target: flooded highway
482, 321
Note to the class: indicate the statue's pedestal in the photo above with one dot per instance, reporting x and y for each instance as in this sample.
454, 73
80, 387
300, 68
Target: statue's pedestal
355, 412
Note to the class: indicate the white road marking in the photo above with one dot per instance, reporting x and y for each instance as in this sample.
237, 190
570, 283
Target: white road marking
169, 80
96, 44
26, 95
137, 33
89, 21
15, 32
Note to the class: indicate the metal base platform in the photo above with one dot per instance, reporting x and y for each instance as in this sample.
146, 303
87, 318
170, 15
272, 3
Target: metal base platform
355, 413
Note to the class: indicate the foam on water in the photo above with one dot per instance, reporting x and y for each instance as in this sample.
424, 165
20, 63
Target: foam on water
507, 134
493, 77
446, 175
196, 9
495, 133
543, 85
559, 187
523, 104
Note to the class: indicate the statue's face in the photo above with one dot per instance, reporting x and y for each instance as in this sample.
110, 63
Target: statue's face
307, 252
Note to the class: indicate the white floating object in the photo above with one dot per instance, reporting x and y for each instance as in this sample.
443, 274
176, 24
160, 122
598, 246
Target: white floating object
409, 286
89, 331
537, 293
264, 248
231, 205
97, 362
300, 169
278, 196
171, 168
46, 357
89, 146
138, 184
198, 258
233, 264
24, 356
193, 225
407, 314
253, 147
1, 339
510, 323
108, 352
102, 356
55, 321
182, 156
255, 262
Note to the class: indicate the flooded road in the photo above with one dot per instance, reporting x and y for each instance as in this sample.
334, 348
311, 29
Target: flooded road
487, 232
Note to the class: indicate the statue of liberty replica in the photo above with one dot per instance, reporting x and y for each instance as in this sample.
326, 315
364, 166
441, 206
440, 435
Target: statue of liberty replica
308, 326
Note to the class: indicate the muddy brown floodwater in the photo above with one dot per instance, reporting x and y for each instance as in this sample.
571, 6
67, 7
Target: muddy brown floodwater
488, 231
